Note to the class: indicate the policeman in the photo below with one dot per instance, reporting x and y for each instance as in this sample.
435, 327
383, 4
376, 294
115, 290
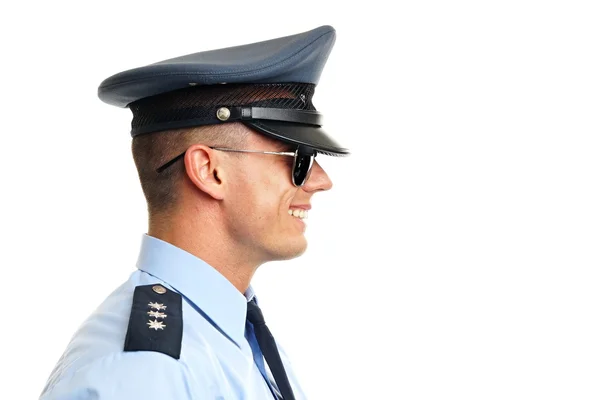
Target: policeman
225, 144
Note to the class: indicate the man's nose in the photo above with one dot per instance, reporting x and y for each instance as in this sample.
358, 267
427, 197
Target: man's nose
318, 179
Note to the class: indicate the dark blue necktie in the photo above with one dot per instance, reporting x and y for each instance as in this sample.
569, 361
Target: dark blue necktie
269, 349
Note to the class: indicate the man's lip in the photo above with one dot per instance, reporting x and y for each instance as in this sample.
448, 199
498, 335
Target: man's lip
302, 206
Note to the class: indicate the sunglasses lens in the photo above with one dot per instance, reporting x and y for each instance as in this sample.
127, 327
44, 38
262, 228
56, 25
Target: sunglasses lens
302, 167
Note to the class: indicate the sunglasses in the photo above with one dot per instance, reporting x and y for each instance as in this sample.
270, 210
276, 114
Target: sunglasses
303, 161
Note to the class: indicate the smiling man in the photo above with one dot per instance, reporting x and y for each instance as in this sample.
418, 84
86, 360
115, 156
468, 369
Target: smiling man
225, 144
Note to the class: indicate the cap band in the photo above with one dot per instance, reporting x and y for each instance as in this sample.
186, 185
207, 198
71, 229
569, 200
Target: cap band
306, 117
207, 105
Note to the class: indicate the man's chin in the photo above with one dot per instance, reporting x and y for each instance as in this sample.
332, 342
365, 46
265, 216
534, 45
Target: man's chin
291, 251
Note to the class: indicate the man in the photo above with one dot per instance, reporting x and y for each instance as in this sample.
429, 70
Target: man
224, 142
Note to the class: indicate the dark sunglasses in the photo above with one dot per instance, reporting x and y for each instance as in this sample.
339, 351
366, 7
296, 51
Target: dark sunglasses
303, 161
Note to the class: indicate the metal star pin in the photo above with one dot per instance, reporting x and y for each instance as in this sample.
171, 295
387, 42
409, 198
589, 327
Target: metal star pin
157, 306
156, 325
157, 314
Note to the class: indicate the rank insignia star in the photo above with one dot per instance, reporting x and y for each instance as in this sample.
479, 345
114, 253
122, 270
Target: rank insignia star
157, 306
156, 325
157, 314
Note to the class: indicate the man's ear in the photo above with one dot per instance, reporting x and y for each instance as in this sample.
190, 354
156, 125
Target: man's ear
203, 168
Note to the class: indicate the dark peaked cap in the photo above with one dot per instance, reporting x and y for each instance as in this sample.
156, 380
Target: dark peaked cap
268, 86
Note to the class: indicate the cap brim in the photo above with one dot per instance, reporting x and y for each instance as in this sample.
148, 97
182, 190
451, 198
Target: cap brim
294, 133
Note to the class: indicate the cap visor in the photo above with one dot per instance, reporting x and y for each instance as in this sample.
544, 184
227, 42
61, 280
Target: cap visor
307, 135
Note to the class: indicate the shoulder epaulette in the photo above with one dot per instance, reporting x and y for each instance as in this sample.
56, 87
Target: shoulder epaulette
155, 323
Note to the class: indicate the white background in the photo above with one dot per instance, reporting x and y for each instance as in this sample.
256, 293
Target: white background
457, 256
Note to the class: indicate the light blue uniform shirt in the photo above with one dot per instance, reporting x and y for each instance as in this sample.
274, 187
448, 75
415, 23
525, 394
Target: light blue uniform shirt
220, 358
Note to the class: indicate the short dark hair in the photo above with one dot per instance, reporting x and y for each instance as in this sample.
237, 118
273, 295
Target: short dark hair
154, 149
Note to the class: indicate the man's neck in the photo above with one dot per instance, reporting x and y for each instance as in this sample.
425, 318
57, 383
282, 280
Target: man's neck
213, 249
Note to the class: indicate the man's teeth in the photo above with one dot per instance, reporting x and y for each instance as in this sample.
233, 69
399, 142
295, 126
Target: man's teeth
302, 214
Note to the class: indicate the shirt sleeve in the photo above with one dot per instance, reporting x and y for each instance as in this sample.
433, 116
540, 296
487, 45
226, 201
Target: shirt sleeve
143, 375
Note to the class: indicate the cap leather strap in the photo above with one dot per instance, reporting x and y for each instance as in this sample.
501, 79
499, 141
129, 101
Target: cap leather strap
276, 114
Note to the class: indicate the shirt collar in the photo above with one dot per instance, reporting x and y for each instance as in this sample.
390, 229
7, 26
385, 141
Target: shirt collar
200, 283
